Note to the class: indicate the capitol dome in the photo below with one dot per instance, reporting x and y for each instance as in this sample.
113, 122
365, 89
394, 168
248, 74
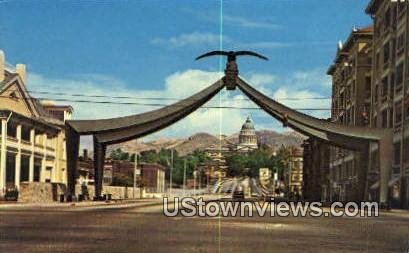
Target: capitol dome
248, 125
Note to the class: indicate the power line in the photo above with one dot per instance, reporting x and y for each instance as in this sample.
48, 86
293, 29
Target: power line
155, 104
159, 98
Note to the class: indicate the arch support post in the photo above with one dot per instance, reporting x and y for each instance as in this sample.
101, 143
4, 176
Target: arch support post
72, 149
99, 161
385, 166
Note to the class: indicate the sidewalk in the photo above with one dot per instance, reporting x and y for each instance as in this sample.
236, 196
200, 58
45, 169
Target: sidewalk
82, 204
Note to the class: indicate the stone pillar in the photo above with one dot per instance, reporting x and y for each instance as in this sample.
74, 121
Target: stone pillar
31, 165
18, 158
385, 161
71, 149
362, 168
3, 157
43, 160
99, 160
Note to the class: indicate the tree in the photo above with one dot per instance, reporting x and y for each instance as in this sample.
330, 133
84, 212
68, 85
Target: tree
118, 154
237, 164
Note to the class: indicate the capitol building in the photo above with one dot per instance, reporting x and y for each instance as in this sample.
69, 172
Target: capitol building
247, 137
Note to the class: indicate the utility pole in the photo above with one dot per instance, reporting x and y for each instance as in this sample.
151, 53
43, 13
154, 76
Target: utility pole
171, 170
184, 178
135, 174
289, 176
194, 182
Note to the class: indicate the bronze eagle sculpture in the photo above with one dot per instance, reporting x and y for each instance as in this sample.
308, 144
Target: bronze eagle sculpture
231, 72
231, 55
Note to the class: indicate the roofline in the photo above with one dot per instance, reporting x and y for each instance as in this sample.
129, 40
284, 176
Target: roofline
37, 121
331, 70
372, 7
59, 106
356, 34
347, 45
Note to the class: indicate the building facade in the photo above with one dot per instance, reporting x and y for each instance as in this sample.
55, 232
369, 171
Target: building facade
295, 178
351, 103
153, 177
390, 92
32, 147
370, 77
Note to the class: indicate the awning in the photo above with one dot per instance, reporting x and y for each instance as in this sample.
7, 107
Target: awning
393, 180
374, 186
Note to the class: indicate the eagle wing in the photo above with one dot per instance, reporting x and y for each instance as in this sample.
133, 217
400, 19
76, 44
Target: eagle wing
251, 53
212, 53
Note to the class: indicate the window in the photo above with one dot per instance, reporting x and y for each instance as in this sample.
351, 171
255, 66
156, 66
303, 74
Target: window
353, 89
391, 121
399, 75
368, 83
25, 133
398, 113
376, 94
396, 153
377, 64
384, 119
406, 150
386, 53
11, 130
401, 8
392, 82
385, 87
401, 43
387, 21
407, 110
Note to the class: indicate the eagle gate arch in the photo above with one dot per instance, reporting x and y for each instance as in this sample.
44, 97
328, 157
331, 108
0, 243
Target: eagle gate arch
121, 129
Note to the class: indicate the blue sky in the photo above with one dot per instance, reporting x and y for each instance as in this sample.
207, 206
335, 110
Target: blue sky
146, 48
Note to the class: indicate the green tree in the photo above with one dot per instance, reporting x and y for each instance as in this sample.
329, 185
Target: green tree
118, 154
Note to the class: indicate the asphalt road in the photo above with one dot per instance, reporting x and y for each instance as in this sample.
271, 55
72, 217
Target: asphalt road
145, 229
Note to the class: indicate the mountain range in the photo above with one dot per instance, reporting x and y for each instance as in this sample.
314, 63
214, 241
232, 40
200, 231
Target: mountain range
200, 141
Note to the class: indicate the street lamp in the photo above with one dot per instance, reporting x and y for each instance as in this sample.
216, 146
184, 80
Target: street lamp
274, 173
194, 182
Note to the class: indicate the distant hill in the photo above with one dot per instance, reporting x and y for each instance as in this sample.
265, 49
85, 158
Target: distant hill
200, 141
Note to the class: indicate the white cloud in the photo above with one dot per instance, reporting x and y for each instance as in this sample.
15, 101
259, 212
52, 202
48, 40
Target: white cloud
265, 45
316, 78
191, 39
261, 79
303, 99
229, 20
248, 23
212, 40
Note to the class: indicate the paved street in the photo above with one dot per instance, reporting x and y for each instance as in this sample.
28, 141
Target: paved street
143, 228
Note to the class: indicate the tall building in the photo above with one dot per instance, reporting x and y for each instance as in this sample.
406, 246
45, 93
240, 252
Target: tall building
351, 101
390, 92
32, 145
